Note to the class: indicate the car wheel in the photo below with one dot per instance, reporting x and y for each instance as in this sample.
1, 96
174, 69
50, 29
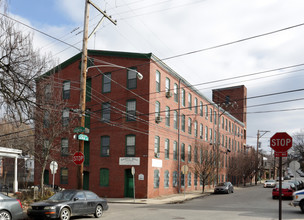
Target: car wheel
5, 215
273, 197
98, 211
302, 206
65, 214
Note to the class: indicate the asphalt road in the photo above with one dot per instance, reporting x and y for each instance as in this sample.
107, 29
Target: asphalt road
248, 203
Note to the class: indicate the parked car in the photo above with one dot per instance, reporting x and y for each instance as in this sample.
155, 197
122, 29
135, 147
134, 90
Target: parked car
278, 178
269, 183
225, 187
298, 199
10, 208
68, 203
287, 190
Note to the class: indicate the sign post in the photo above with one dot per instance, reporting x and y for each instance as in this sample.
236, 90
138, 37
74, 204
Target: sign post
280, 142
53, 168
133, 174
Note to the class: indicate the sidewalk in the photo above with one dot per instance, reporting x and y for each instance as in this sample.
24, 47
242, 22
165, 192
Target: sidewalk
169, 199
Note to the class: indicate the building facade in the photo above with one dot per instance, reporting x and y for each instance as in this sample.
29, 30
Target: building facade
156, 125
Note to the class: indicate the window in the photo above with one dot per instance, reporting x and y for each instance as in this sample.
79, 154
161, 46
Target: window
167, 116
66, 90
46, 119
175, 90
130, 145
174, 181
157, 109
226, 125
182, 180
88, 89
131, 78
131, 110
183, 97
206, 133
105, 112
47, 92
167, 148
215, 116
206, 111
183, 123
65, 117
157, 81
189, 153
106, 82
190, 101
64, 147
189, 179
201, 109
167, 85
210, 133
195, 105
86, 152
156, 178
195, 154
195, 179
46, 146
195, 128
87, 119
175, 119
156, 146
174, 150
201, 156
64, 175
183, 152
201, 131
105, 146
104, 177
229, 127
189, 125
223, 122
166, 179
211, 116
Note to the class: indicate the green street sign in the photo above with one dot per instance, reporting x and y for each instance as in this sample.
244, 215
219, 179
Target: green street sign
83, 137
81, 130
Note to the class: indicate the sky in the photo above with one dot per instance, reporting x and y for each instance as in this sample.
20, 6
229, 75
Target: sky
258, 44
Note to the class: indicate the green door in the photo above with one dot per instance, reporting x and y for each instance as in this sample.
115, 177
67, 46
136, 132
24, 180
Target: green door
46, 177
128, 183
86, 153
86, 180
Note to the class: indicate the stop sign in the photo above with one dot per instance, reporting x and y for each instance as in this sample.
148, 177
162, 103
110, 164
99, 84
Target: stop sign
78, 158
280, 142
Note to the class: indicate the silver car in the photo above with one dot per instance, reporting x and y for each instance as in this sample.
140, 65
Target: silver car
10, 208
225, 187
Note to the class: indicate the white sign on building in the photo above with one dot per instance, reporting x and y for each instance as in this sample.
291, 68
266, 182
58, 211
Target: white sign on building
135, 161
157, 163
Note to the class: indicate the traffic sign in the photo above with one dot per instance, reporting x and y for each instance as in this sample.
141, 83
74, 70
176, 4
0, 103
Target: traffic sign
83, 137
280, 142
81, 130
53, 167
78, 158
280, 154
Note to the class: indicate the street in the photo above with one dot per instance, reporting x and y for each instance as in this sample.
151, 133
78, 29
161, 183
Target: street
254, 202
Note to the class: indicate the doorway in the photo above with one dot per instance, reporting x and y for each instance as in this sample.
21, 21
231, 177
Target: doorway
128, 183
86, 180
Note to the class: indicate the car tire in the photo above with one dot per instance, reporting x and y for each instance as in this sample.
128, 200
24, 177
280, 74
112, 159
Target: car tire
98, 211
65, 214
302, 206
5, 215
273, 197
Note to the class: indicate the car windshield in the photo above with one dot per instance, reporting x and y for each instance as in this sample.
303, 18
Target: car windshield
64, 195
270, 181
221, 184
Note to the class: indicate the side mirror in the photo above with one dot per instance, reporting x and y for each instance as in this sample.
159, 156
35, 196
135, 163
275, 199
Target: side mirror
75, 199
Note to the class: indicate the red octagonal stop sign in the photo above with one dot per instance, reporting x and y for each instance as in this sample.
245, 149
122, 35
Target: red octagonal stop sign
280, 142
78, 158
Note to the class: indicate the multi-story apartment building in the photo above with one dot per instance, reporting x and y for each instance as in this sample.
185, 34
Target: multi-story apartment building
156, 125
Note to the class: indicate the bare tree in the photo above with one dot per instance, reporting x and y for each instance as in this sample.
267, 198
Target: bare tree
205, 167
20, 64
53, 120
298, 146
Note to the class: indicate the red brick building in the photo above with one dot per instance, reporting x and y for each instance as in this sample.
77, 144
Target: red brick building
157, 125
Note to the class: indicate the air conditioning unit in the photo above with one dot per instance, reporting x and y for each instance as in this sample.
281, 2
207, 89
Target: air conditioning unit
158, 119
168, 94
157, 155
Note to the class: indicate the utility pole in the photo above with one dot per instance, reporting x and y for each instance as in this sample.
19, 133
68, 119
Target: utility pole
83, 79
257, 152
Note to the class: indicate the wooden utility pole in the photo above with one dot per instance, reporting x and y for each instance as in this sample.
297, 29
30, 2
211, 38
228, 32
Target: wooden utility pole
83, 78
